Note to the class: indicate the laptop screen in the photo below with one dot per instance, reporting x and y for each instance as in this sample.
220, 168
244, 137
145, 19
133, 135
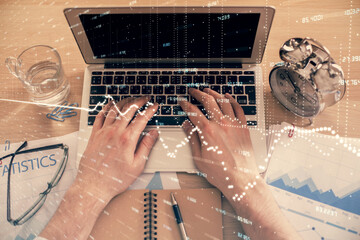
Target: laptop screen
175, 35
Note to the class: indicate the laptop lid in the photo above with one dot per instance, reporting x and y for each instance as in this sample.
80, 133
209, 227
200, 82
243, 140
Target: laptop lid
171, 36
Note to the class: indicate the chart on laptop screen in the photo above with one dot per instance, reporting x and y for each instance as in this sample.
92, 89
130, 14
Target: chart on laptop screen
315, 180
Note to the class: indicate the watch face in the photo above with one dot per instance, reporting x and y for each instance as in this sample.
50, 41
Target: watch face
295, 92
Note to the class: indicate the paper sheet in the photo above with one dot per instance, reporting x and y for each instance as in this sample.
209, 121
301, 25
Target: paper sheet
33, 172
315, 179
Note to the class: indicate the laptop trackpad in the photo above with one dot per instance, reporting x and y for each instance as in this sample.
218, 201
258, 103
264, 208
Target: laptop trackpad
171, 153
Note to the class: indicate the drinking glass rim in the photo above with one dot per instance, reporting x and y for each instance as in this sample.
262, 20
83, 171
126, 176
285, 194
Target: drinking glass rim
45, 46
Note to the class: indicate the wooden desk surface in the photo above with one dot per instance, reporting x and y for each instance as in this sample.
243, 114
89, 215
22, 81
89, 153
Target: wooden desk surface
30, 22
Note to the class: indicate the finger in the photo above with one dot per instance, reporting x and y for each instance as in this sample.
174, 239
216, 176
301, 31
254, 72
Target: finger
144, 148
194, 139
141, 119
223, 103
208, 101
194, 114
129, 109
111, 115
239, 112
122, 103
100, 118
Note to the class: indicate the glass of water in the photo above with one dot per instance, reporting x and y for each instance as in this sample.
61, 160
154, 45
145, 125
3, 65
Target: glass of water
39, 68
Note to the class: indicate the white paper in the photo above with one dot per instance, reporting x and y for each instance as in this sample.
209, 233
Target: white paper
315, 179
36, 173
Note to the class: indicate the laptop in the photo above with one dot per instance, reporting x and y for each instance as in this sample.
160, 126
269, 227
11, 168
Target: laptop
161, 52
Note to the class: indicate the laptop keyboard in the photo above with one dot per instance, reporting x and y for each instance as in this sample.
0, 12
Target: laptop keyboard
165, 87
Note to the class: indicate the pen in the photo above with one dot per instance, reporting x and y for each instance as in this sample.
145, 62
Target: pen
178, 217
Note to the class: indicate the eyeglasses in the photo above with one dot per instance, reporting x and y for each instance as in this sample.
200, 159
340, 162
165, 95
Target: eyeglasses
42, 196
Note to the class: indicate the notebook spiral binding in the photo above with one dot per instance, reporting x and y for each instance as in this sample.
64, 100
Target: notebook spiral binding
150, 216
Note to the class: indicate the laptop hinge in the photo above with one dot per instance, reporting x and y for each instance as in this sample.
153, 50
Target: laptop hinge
172, 65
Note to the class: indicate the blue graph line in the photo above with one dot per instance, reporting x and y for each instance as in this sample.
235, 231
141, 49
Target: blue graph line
307, 188
302, 214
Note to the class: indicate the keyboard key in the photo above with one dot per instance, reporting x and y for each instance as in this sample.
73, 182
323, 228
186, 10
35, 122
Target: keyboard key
97, 99
95, 110
153, 80
116, 98
166, 110
112, 89
175, 79
246, 79
96, 73
249, 72
131, 72
141, 80
96, 80
120, 73
172, 100
158, 89
251, 123
164, 80
213, 72
190, 72
166, 72
249, 110
146, 89
226, 89
210, 79
155, 72
177, 110
108, 80
186, 79
225, 72
202, 72
98, 90
220, 79
134, 89
143, 72
161, 99
194, 101
232, 79
91, 120
169, 89
167, 120
179, 72
237, 72
215, 88
119, 80
198, 79
181, 89
242, 100
123, 89
130, 80
238, 90
109, 73
250, 91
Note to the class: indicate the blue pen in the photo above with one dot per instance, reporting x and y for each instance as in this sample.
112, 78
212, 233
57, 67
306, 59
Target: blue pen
178, 217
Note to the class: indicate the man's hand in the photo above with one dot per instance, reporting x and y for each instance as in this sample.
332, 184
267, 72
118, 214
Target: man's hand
222, 149
113, 158
221, 146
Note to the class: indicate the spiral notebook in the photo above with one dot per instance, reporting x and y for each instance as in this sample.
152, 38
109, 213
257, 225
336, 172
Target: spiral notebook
148, 215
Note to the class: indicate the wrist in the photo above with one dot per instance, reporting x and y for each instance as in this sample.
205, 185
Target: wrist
88, 189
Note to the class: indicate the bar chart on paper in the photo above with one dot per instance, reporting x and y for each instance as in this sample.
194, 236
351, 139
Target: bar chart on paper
316, 181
